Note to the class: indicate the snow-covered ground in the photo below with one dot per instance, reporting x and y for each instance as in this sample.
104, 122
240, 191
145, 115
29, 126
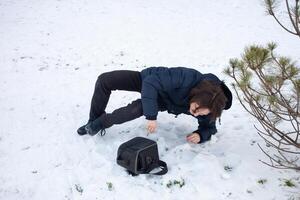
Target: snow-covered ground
51, 54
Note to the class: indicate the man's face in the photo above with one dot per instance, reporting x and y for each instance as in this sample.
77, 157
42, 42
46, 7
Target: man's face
196, 111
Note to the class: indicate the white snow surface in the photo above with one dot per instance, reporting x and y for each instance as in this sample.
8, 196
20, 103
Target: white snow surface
52, 52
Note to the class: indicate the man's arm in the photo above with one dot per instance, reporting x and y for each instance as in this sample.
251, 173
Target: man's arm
206, 128
150, 87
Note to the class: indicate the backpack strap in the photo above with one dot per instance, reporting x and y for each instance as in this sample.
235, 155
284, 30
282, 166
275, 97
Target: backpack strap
160, 164
163, 166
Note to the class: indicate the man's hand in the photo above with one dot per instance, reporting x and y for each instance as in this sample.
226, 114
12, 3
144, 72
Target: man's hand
151, 126
193, 138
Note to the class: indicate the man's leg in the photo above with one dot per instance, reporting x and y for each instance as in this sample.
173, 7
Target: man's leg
127, 113
109, 81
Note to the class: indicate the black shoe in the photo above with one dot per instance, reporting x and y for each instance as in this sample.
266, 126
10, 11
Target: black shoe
94, 127
81, 130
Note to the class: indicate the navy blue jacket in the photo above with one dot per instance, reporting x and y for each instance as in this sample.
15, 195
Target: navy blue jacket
168, 89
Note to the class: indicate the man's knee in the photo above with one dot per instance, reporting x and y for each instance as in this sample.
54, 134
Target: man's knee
103, 80
103, 77
137, 107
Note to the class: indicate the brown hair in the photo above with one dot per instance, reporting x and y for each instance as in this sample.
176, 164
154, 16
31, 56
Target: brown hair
209, 94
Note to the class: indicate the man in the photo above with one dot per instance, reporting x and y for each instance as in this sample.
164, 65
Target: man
176, 90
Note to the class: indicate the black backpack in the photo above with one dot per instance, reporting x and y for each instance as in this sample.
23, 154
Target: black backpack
140, 156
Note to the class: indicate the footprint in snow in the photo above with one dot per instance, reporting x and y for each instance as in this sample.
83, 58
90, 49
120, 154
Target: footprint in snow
238, 128
167, 127
232, 161
43, 68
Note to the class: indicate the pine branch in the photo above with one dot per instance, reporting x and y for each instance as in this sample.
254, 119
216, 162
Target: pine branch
270, 104
294, 22
278, 164
270, 4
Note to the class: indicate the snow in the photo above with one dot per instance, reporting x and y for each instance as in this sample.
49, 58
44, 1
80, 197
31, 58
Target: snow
51, 55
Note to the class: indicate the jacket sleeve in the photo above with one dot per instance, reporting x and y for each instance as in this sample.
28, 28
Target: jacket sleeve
206, 128
150, 87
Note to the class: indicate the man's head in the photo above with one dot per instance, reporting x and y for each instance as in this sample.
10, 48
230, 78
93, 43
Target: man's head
196, 110
207, 98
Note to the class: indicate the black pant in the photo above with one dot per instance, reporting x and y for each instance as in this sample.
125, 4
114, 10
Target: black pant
116, 80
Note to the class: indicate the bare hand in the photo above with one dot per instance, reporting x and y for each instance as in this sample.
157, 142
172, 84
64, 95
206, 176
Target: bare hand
193, 138
151, 126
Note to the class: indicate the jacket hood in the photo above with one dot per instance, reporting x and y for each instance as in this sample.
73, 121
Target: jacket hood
228, 95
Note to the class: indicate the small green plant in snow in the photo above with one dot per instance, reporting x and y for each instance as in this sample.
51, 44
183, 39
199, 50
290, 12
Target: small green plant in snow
179, 183
109, 186
262, 181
